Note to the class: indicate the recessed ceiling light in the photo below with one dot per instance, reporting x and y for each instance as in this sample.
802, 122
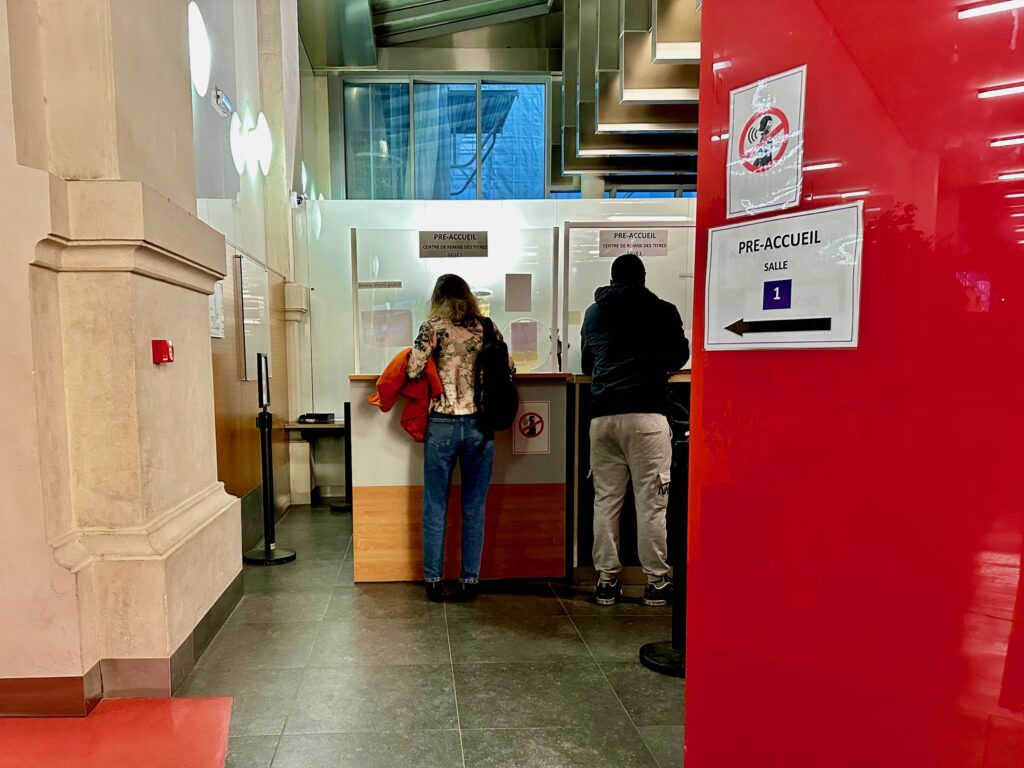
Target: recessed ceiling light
988, 8
821, 166
1012, 141
1012, 176
1002, 90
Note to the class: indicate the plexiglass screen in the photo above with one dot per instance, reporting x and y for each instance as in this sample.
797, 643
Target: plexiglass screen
514, 283
670, 276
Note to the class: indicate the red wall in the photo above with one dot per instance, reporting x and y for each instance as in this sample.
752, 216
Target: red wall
856, 523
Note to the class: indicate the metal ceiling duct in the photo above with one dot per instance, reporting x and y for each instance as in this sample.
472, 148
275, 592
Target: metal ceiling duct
396, 22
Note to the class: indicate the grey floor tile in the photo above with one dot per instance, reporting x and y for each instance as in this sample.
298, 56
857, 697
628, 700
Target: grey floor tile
619, 638
315, 544
535, 695
665, 743
415, 749
382, 601
302, 575
510, 598
261, 646
374, 697
260, 702
650, 698
274, 607
515, 638
347, 576
619, 746
579, 601
251, 751
417, 640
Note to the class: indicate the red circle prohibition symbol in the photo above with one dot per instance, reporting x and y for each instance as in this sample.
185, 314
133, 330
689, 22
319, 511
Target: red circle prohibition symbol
531, 425
764, 140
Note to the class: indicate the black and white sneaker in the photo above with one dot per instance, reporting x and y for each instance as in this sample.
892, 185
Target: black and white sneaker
658, 594
608, 592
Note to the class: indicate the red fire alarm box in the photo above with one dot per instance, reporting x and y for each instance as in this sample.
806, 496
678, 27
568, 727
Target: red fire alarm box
163, 351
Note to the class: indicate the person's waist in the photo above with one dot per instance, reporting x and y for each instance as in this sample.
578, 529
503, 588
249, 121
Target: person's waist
453, 417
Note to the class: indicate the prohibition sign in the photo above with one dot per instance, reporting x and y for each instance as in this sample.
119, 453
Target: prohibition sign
531, 425
764, 140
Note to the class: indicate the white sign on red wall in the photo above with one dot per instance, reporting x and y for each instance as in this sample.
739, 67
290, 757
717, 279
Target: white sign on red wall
766, 144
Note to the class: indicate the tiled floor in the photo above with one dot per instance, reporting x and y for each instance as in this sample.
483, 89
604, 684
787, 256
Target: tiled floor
326, 674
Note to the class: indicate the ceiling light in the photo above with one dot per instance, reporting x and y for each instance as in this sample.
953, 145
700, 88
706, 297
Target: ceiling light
1013, 141
1002, 90
237, 134
822, 166
989, 8
199, 54
1012, 176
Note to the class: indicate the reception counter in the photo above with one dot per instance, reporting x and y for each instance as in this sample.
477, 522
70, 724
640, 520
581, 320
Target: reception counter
525, 532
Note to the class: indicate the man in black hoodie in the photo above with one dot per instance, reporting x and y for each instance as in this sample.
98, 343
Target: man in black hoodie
631, 341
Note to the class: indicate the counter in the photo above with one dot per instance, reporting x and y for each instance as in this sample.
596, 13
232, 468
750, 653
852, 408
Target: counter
525, 532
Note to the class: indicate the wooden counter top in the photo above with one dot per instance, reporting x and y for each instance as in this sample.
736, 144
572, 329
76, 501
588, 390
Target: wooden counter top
516, 377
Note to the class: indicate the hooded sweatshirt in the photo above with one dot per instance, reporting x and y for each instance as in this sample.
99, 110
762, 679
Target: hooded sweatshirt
631, 341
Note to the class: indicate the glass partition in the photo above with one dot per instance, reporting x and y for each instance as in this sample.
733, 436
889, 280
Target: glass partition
670, 275
515, 284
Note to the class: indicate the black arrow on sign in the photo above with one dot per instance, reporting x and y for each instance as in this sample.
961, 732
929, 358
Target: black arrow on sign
805, 324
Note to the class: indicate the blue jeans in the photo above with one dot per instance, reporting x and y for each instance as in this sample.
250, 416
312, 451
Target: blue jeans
450, 439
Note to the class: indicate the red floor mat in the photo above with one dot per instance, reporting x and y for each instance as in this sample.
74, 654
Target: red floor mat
150, 733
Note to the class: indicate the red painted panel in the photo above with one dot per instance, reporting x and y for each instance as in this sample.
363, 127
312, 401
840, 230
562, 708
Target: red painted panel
857, 517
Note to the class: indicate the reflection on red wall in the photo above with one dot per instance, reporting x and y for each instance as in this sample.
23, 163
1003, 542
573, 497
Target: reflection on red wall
855, 593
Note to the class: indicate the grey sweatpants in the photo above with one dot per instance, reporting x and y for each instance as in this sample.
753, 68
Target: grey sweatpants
637, 446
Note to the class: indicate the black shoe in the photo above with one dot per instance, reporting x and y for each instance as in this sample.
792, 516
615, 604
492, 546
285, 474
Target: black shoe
468, 590
658, 594
435, 592
608, 592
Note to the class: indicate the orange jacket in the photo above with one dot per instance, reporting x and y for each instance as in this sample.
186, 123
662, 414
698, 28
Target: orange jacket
394, 381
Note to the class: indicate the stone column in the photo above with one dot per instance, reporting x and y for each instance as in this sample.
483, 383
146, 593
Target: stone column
131, 508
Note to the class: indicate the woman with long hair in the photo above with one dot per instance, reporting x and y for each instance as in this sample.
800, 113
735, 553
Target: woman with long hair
452, 336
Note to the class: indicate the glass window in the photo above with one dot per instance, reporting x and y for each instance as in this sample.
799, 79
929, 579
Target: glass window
445, 141
512, 140
377, 141
636, 194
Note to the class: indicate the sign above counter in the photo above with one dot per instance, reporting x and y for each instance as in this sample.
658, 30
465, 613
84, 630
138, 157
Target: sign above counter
642, 242
453, 245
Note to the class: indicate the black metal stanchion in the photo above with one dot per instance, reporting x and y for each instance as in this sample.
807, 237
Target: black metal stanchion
342, 507
269, 553
669, 656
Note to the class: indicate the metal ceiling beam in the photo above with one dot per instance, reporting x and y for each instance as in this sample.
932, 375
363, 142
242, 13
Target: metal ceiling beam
399, 23
643, 80
613, 116
594, 144
676, 32
337, 33
574, 165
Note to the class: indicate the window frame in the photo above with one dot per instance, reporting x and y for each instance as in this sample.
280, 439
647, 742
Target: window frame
442, 78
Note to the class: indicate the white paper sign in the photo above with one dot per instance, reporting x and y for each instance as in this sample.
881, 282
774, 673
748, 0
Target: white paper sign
642, 242
531, 431
790, 282
216, 303
766, 144
452, 245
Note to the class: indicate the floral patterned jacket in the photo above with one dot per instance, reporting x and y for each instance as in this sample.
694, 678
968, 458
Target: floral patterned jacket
454, 348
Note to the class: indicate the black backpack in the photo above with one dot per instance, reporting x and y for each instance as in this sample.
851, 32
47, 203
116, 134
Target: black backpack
494, 392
